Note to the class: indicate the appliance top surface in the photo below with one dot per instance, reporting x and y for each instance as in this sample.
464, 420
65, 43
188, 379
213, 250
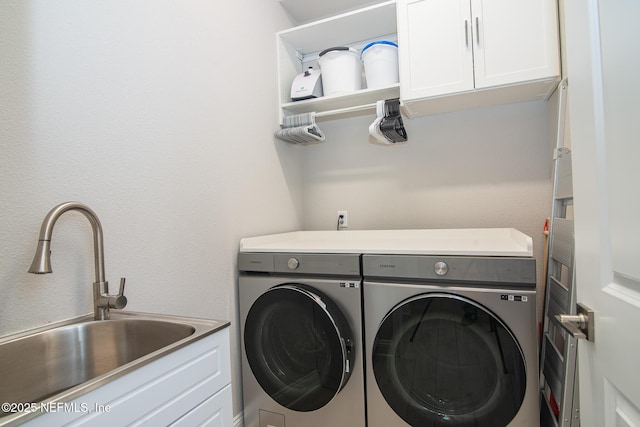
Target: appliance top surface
464, 242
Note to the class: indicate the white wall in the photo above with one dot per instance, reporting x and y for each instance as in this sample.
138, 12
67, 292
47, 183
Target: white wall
158, 114
488, 167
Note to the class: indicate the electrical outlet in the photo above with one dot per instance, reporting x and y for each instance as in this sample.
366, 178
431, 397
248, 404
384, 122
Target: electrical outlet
342, 220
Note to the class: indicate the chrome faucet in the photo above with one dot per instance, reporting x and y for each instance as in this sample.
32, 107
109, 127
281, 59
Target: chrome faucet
41, 264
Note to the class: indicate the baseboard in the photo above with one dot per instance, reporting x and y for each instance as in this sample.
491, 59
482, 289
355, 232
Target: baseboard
238, 420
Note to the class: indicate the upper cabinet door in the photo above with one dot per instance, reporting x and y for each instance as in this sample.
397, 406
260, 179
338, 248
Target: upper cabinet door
514, 41
436, 47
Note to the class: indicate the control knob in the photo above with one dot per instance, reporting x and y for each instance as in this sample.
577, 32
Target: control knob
293, 263
441, 268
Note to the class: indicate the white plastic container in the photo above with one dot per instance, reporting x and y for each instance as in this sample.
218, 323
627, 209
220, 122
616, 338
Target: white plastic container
380, 63
341, 70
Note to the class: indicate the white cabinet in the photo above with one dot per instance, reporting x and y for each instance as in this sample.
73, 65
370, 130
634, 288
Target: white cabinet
476, 53
299, 47
191, 386
514, 41
434, 47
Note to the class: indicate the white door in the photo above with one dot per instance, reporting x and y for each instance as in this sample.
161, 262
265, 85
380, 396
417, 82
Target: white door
514, 41
435, 49
603, 59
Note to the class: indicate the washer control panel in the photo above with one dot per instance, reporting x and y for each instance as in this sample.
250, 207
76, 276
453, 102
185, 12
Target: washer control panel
300, 263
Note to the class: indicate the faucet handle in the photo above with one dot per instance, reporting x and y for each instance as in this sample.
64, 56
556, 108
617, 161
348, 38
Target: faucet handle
121, 289
118, 301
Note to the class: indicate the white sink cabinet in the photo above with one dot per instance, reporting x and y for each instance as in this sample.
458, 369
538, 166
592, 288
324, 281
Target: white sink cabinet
190, 386
456, 54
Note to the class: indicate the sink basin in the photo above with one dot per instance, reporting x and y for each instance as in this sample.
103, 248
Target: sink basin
64, 360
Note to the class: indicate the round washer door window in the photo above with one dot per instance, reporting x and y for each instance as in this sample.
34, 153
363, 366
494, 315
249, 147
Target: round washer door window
444, 360
299, 346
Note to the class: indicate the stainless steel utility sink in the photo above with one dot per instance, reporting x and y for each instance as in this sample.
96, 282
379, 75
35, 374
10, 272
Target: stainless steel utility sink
61, 361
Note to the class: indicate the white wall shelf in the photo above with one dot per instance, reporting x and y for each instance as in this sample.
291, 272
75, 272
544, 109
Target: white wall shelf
299, 47
335, 106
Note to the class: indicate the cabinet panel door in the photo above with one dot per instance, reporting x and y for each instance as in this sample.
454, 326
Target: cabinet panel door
435, 47
514, 41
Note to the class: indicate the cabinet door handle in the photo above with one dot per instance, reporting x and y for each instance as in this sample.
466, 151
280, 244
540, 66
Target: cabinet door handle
478, 31
466, 32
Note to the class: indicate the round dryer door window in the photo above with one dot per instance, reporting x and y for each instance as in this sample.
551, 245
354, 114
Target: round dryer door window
299, 346
444, 360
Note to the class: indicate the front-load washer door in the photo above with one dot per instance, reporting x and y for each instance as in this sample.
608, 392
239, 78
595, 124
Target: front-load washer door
299, 346
443, 360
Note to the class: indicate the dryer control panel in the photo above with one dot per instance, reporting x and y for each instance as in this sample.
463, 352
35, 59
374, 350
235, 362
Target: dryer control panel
516, 271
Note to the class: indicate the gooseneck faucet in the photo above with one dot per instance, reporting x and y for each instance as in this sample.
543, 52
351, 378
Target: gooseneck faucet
41, 264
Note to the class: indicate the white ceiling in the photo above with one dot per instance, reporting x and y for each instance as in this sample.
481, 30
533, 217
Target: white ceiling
309, 10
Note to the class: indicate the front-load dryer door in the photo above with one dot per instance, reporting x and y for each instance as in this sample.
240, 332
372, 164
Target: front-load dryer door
299, 346
444, 360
